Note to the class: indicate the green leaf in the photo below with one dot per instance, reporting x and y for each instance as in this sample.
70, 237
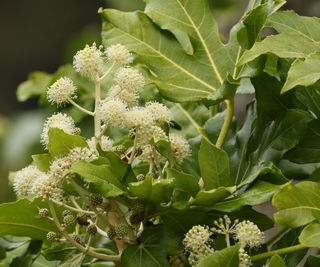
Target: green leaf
42, 161
102, 178
60, 143
211, 197
276, 261
310, 235
20, 218
228, 257
36, 85
310, 98
297, 205
281, 135
28, 257
197, 62
313, 261
260, 193
303, 72
308, 149
150, 252
298, 37
184, 182
214, 166
156, 192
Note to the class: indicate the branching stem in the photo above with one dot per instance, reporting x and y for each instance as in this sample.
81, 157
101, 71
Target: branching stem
72, 208
81, 108
88, 251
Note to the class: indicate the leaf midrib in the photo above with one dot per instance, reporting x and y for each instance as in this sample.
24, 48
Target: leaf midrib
213, 65
169, 60
25, 225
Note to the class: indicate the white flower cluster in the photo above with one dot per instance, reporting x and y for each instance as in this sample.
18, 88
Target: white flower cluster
119, 54
61, 121
248, 234
197, 244
32, 182
244, 258
61, 91
89, 61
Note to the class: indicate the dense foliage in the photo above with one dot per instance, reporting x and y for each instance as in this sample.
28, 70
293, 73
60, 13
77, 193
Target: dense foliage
159, 173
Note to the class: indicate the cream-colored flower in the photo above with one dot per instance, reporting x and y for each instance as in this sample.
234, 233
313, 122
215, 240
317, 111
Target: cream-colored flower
24, 179
112, 112
180, 147
61, 91
89, 61
119, 54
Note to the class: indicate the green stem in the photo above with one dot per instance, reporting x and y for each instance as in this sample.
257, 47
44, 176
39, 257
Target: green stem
269, 254
226, 123
72, 208
81, 108
88, 252
97, 121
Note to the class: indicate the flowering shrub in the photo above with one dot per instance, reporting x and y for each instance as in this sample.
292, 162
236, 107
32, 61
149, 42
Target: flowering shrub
162, 175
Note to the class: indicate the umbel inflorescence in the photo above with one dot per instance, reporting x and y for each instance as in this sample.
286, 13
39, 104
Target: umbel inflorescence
84, 213
199, 240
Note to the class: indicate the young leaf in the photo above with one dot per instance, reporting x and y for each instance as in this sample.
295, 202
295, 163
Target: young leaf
214, 166
20, 218
42, 161
297, 205
228, 257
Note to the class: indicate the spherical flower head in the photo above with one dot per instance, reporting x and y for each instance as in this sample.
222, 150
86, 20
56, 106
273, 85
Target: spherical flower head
61, 121
159, 112
147, 134
129, 79
248, 234
196, 237
59, 167
88, 61
128, 97
24, 179
61, 91
46, 186
112, 112
180, 147
119, 54
138, 117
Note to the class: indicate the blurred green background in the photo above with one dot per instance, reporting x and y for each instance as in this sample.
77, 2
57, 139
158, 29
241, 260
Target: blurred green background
42, 35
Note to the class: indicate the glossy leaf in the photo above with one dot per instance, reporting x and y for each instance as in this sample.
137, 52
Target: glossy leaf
214, 166
42, 161
228, 257
260, 193
310, 98
20, 218
297, 205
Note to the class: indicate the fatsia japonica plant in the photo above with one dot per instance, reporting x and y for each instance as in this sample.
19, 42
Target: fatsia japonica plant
144, 163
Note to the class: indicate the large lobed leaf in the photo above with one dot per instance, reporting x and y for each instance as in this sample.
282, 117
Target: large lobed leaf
187, 60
